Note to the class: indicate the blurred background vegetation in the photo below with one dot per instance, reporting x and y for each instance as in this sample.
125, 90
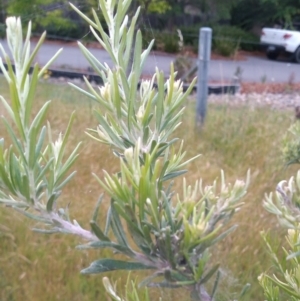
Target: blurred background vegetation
236, 24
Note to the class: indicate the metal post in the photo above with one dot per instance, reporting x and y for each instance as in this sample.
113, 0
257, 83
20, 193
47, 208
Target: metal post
203, 64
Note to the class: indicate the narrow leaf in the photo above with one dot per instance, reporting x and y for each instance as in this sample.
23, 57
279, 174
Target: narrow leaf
106, 265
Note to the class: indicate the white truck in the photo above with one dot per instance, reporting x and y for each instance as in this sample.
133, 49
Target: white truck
277, 40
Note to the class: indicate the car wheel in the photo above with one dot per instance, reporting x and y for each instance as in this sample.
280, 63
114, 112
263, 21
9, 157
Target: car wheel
297, 55
273, 55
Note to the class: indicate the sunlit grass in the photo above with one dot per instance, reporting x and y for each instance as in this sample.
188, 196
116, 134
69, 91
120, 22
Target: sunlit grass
38, 267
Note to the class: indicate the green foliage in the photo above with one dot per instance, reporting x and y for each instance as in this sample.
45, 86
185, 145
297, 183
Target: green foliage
291, 145
286, 10
55, 17
285, 205
168, 233
235, 37
155, 6
55, 23
33, 171
166, 41
171, 43
172, 240
283, 284
225, 47
248, 14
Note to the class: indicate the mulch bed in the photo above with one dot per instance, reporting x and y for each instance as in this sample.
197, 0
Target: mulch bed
272, 88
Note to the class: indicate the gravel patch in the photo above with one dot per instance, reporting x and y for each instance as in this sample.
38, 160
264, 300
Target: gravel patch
276, 101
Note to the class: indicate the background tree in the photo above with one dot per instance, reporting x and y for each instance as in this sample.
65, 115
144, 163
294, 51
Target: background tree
285, 11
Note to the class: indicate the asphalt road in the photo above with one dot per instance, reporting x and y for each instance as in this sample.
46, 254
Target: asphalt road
253, 69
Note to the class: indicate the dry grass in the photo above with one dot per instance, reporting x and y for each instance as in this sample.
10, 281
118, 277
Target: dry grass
37, 267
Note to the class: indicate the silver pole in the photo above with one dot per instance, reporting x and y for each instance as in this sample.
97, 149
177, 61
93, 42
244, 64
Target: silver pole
203, 64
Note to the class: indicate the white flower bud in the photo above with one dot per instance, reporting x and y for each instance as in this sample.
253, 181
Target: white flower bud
178, 85
57, 146
140, 114
291, 232
105, 91
239, 184
101, 134
128, 153
14, 33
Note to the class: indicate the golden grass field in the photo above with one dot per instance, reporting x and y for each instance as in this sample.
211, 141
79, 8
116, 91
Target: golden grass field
37, 267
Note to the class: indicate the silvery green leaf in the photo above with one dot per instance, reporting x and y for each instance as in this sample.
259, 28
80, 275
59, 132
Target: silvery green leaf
114, 137
174, 174
98, 232
14, 172
40, 117
96, 211
117, 96
106, 265
209, 274
44, 69
24, 188
136, 233
104, 42
67, 165
51, 201
116, 226
168, 248
104, 35
28, 63
83, 91
293, 255
136, 67
223, 235
65, 139
97, 66
130, 37
31, 94
31, 159
42, 173
6, 181
244, 290
83, 16
159, 100
15, 101
40, 143
108, 221
107, 244
216, 283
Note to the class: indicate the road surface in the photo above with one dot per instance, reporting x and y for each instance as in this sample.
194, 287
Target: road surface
253, 69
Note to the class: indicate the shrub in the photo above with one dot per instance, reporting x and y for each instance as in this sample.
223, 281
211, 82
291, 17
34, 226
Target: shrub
246, 40
171, 44
226, 38
172, 237
225, 47
163, 40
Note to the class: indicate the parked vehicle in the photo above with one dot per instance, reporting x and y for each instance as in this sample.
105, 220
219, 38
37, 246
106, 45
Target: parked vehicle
277, 40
